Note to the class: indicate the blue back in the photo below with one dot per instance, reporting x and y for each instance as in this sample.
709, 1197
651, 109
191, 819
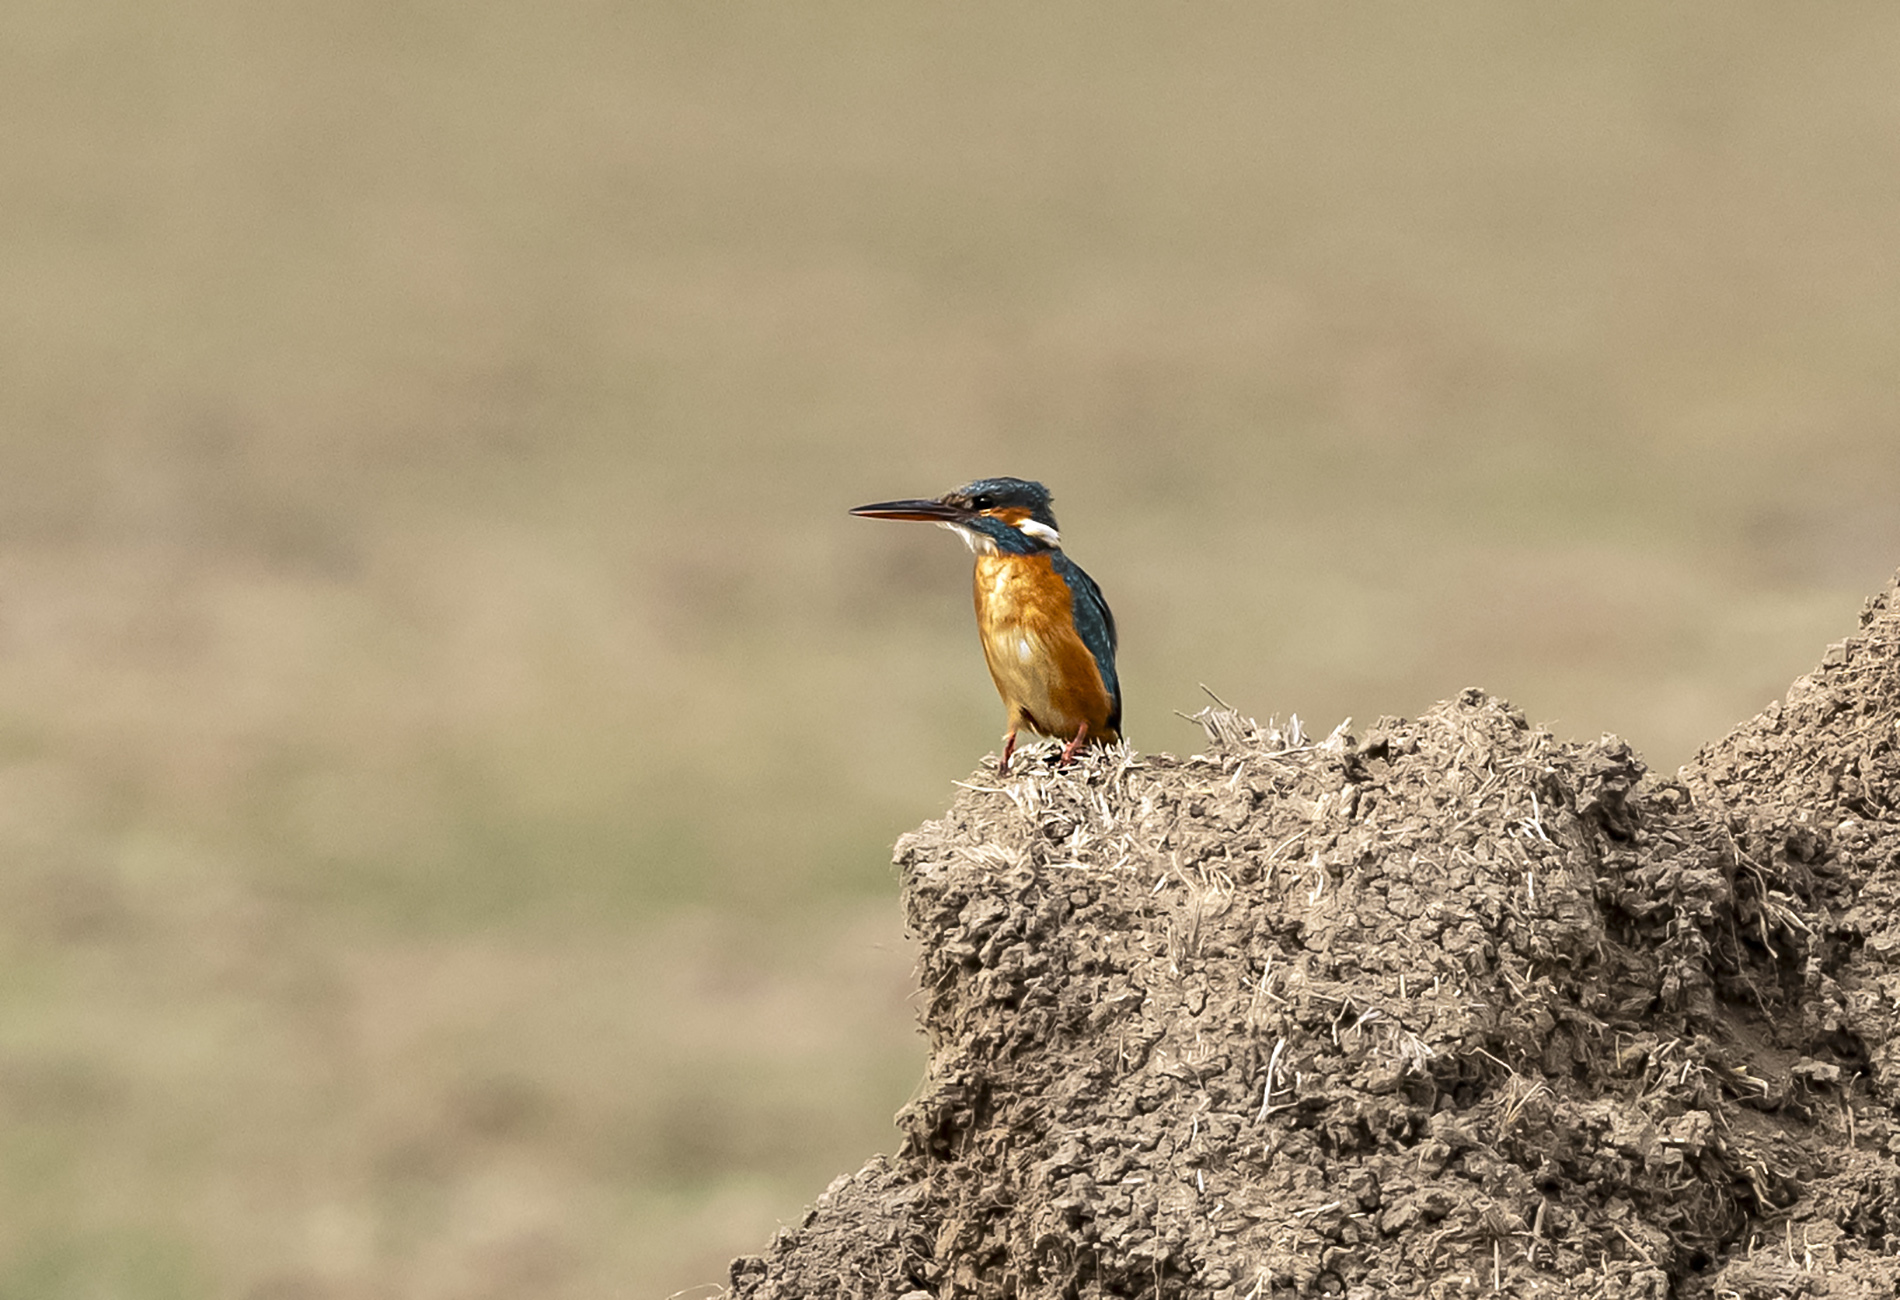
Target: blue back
1096, 625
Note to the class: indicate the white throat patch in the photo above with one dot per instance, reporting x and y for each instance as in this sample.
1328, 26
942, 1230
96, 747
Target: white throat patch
977, 542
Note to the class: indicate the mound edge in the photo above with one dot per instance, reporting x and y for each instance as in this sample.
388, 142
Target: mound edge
1453, 1008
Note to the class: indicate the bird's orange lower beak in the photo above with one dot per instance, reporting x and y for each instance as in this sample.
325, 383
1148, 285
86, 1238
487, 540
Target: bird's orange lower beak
929, 512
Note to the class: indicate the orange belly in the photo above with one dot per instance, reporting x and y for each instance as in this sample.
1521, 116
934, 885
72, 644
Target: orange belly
1048, 679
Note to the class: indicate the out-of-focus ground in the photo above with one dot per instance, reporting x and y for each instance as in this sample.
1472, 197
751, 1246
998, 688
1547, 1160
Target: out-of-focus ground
450, 733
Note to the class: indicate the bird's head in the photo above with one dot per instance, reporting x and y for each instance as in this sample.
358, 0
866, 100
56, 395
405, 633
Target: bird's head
991, 515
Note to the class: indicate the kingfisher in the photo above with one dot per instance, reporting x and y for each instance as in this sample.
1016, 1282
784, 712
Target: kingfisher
1047, 634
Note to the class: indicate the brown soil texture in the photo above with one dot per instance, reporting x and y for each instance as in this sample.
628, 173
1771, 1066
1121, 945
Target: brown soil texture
1451, 1008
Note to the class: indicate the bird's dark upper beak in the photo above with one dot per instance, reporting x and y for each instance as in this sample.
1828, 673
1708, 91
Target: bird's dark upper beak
929, 512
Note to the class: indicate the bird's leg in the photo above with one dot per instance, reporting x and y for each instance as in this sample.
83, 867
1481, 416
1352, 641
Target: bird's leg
1068, 751
1009, 747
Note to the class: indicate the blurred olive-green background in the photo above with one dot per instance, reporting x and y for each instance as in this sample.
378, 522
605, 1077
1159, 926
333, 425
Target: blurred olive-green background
451, 734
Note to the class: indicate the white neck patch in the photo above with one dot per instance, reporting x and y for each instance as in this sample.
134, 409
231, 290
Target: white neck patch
1040, 530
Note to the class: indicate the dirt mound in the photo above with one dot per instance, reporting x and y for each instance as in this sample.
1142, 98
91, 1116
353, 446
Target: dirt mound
1452, 1009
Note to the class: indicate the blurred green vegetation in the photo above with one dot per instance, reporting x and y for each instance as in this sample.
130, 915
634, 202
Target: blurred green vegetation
450, 733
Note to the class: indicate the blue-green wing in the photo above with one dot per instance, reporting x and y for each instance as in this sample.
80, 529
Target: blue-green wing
1096, 625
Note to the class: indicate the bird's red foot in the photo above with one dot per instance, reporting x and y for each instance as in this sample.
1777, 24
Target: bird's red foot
1068, 750
1009, 747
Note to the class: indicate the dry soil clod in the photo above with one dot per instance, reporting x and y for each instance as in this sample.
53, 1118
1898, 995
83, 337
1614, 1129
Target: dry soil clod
1454, 1008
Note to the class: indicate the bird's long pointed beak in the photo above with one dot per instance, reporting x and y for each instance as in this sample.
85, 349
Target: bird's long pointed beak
929, 512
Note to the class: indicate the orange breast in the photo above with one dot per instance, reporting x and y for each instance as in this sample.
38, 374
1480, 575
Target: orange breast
1048, 679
